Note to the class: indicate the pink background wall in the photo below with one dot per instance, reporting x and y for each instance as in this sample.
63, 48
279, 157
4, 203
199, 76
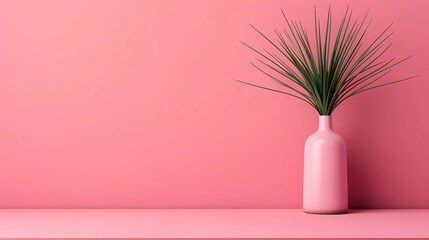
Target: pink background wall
132, 104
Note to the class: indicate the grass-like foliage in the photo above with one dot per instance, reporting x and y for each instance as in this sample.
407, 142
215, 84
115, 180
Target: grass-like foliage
328, 69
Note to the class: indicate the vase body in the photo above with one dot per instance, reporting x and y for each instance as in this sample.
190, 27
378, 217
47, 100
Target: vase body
325, 171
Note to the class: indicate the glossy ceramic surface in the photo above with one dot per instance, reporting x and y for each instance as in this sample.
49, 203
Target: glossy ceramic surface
325, 171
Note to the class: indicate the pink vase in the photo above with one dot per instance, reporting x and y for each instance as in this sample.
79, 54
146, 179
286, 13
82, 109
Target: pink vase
325, 171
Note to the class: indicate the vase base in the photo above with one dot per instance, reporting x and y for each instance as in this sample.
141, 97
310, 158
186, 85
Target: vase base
335, 212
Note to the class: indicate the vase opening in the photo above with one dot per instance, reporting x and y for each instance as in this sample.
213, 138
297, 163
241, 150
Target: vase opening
325, 122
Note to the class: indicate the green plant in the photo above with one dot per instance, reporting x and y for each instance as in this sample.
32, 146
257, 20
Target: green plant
335, 70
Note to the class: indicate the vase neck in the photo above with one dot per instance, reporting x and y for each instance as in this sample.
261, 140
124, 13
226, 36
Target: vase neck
325, 123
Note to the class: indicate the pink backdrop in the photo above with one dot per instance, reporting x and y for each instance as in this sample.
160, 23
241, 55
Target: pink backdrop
132, 104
